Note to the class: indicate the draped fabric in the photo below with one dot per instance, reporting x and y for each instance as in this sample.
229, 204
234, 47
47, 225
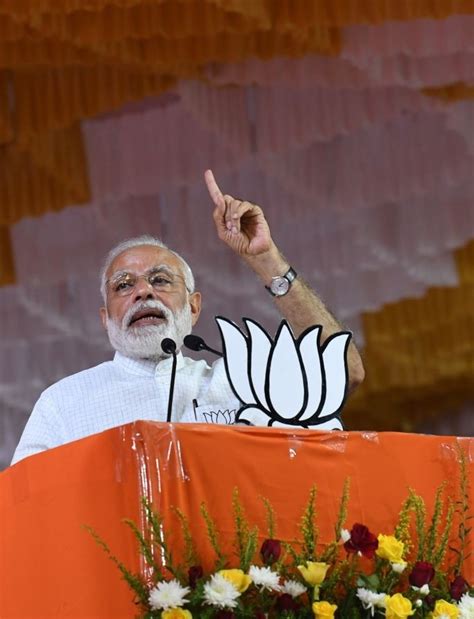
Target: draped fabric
99, 481
350, 123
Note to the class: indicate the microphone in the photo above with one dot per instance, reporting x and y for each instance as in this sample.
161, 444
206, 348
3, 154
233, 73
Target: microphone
196, 343
168, 346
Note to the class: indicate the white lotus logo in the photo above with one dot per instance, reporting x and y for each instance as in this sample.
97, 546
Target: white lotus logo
226, 417
287, 382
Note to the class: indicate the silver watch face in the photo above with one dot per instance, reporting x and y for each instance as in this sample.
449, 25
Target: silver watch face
279, 286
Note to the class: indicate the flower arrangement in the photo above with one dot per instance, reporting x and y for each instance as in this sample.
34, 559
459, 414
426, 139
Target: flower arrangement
415, 570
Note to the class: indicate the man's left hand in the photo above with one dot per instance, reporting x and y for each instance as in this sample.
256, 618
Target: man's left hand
239, 223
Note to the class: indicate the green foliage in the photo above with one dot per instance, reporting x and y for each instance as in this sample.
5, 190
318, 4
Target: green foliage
213, 537
290, 550
270, 518
134, 581
308, 528
402, 528
145, 547
464, 515
342, 513
190, 557
330, 554
335, 577
420, 523
439, 551
157, 534
433, 530
245, 539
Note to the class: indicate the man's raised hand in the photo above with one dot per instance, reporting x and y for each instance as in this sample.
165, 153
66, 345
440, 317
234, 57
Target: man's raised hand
239, 223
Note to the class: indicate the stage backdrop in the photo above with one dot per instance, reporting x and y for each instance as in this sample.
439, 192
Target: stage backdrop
351, 125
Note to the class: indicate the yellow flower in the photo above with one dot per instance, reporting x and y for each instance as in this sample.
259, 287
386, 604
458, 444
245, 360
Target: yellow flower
238, 578
390, 548
176, 613
324, 610
314, 573
445, 609
398, 607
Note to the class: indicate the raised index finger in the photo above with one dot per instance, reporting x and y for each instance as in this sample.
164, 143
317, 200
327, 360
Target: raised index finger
213, 188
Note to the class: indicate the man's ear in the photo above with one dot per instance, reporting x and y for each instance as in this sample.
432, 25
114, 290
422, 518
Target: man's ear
195, 303
103, 317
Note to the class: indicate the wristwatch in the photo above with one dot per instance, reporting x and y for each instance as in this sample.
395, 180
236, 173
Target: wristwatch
279, 286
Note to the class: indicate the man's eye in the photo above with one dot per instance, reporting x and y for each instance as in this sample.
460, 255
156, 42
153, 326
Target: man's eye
122, 285
160, 280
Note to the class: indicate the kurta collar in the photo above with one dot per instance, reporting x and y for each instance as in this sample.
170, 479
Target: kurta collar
144, 367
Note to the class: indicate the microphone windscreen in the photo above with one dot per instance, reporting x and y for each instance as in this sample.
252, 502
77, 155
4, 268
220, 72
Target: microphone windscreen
168, 346
194, 342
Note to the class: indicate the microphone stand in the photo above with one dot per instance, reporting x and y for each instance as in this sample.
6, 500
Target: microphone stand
168, 346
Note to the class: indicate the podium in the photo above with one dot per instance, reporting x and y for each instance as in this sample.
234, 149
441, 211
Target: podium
50, 567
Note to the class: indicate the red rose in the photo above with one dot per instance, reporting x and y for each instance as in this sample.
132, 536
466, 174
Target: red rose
286, 602
421, 574
270, 551
458, 587
194, 574
362, 540
225, 614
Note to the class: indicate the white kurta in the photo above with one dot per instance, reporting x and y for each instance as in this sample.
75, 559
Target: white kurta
124, 390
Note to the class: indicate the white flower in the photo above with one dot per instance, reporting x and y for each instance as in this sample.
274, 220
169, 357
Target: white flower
168, 595
265, 578
424, 590
287, 382
293, 588
466, 607
399, 567
220, 592
370, 599
345, 536
418, 603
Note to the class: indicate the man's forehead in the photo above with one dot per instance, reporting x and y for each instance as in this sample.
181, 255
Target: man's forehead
143, 257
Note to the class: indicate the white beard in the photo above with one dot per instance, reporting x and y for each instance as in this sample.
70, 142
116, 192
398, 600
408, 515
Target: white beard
145, 342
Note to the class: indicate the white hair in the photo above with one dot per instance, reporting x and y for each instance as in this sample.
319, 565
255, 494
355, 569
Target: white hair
137, 241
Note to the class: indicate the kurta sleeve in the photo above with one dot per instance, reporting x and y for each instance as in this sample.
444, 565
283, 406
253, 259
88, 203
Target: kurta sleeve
43, 430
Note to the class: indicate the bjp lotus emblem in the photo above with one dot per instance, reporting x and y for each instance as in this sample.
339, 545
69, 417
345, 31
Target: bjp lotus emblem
288, 381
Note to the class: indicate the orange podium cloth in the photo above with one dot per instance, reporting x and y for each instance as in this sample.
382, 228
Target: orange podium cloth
51, 567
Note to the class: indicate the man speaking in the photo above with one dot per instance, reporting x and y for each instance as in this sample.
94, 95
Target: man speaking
149, 295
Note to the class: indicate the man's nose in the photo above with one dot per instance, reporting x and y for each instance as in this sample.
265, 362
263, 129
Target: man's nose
144, 290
